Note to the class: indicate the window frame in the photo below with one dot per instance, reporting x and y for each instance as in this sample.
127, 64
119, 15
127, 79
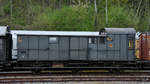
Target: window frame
52, 40
130, 43
92, 40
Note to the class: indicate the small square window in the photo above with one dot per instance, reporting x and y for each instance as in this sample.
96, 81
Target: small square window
53, 40
92, 40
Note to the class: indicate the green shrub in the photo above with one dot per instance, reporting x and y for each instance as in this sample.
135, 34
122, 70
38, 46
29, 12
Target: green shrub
7, 9
119, 17
68, 18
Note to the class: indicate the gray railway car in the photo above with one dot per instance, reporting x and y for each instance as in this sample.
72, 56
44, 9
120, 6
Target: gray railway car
110, 48
50, 45
120, 44
5, 45
110, 44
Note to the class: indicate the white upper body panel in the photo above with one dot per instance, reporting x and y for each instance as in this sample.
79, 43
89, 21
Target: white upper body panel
58, 33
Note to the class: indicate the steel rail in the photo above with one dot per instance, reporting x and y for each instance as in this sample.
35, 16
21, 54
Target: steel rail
74, 78
9, 77
6, 74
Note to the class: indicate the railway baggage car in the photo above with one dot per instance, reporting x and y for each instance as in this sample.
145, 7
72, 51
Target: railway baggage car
52, 47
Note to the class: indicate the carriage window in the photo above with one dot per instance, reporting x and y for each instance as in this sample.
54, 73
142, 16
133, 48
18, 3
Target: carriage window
130, 44
53, 40
102, 40
92, 40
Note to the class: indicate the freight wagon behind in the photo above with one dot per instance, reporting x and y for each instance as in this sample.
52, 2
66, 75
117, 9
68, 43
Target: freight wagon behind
63, 49
144, 46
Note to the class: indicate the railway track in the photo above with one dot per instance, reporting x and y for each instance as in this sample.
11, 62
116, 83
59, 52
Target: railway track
10, 77
68, 73
73, 78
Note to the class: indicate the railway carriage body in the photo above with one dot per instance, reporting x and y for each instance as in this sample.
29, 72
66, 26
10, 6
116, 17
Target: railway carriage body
144, 46
120, 44
111, 48
5, 45
51, 45
77, 48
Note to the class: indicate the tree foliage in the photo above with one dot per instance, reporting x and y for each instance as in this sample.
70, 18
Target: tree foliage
77, 15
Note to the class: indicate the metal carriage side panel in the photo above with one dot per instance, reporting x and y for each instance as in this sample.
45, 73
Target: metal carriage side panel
117, 42
131, 47
22, 44
23, 54
102, 55
83, 48
123, 47
43, 55
110, 55
74, 47
93, 48
63, 48
131, 55
102, 43
110, 47
1, 43
1, 55
102, 50
93, 52
117, 46
111, 42
53, 52
33, 47
43, 48
2, 49
5, 48
33, 54
43, 43
33, 42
